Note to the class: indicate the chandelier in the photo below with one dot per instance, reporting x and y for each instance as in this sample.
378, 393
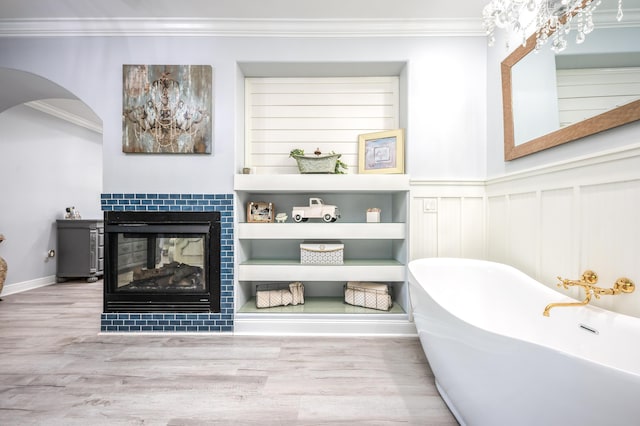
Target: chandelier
551, 19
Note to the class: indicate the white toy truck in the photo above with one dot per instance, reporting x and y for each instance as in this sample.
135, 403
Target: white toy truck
316, 209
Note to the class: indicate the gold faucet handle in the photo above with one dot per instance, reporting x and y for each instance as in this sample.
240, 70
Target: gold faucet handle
589, 277
625, 285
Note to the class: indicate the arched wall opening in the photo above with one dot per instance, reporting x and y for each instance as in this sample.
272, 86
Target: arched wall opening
50, 159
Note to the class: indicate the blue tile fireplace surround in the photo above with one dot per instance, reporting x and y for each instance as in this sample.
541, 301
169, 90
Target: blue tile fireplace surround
179, 321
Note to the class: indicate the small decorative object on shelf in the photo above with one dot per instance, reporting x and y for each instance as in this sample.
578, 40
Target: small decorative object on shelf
281, 217
373, 215
316, 209
3, 268
260, 211
321, 253
318, 162
368, 295
270, 295
72, 213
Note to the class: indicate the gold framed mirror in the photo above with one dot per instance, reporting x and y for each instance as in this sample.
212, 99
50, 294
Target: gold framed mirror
513, 149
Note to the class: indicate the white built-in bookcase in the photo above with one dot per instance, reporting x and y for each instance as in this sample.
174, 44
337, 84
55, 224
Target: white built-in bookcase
270, 252
282, 114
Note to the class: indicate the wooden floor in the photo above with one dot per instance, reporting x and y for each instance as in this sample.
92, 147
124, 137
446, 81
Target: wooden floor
57, 369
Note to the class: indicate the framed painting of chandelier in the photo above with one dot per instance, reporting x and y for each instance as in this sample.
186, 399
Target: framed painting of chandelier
167, 109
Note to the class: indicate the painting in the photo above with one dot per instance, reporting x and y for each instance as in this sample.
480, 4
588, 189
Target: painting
381, 152
167, 109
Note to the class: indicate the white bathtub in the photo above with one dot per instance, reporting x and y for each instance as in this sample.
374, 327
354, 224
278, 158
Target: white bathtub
498, 361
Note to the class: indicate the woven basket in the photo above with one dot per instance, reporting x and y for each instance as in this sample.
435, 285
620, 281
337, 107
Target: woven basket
317, 163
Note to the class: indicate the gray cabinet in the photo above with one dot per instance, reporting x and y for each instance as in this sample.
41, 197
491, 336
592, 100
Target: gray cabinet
80, 252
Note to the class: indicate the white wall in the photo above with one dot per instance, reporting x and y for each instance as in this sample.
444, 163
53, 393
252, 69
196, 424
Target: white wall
47, 165
445, 106
453, 116
443, 98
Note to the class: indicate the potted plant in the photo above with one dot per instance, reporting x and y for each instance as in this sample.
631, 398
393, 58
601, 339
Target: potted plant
318, 162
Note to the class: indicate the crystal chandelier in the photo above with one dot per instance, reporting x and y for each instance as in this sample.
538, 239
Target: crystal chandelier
551, 19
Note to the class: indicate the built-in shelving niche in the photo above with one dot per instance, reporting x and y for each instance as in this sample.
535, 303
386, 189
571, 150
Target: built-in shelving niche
270, 253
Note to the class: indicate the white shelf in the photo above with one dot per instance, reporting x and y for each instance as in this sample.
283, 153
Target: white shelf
333, 231
373, 251
293, 270
299, 183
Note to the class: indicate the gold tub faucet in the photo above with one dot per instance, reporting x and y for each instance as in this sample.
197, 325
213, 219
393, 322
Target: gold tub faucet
587, 281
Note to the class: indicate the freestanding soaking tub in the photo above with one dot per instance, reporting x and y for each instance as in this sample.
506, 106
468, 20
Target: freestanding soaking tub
498, 361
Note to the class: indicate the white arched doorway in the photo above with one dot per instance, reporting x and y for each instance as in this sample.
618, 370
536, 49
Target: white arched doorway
50, 158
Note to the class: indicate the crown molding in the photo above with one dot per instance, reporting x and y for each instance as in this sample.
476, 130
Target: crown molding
62, 114
205, 27
607, 18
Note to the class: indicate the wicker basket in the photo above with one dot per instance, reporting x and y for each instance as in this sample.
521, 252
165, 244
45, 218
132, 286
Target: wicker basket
279, 294
317, 163
368, 295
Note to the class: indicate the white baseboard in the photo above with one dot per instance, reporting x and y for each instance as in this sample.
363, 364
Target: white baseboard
28, 285
244, 325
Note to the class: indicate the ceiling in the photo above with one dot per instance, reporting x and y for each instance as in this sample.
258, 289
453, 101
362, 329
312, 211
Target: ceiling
244, 9
258, 9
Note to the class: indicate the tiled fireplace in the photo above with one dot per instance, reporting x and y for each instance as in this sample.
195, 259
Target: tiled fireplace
161, 290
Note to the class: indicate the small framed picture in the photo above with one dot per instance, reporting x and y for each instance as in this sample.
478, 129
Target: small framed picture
259, 211
381, 152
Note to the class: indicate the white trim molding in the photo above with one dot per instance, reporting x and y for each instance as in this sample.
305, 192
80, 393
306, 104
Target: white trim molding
62, 114
203, 27
544, 177
27, 285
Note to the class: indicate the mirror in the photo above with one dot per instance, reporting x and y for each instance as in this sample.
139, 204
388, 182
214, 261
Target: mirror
541, 112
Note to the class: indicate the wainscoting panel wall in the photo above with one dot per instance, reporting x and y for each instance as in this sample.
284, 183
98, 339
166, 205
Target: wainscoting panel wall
563, 219
610, 229
447, 219
557, 220
523, 233
559, 234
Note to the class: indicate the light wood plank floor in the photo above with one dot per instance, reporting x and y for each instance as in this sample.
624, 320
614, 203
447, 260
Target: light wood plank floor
56, 369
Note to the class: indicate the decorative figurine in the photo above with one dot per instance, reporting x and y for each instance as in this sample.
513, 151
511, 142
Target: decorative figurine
316, 209
72, 213
281, 217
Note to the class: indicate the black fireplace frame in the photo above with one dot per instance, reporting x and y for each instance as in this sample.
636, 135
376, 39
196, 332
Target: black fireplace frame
149, 223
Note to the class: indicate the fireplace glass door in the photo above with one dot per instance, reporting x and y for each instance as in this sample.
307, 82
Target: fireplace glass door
162, 262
